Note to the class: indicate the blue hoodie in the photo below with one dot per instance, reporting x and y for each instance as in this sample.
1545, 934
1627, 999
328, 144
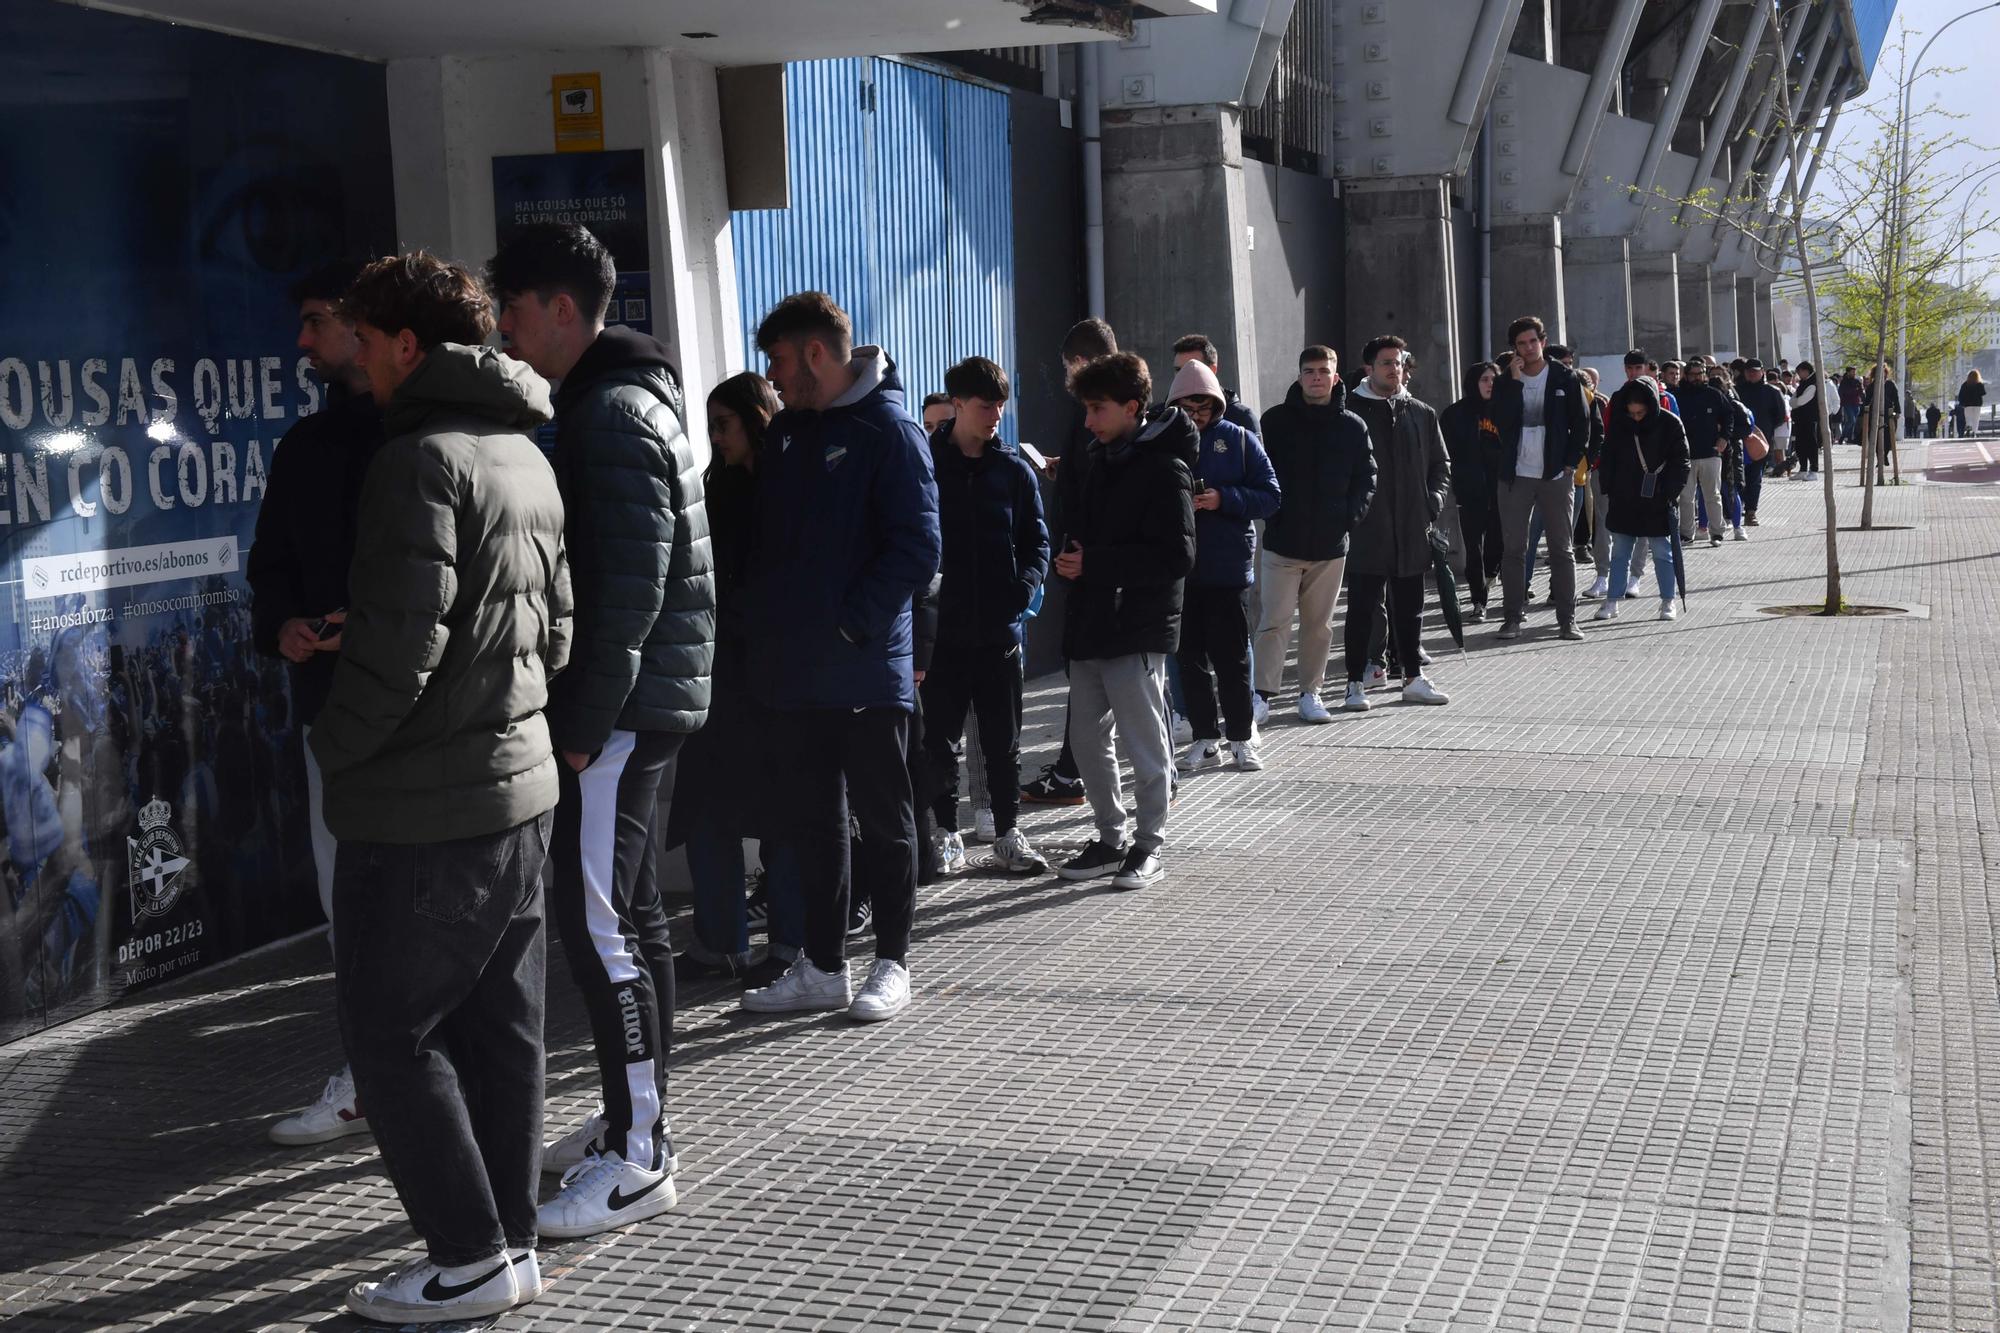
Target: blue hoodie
1233, 464
846, 534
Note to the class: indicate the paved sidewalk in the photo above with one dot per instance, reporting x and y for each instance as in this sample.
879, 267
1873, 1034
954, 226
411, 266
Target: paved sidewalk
1650, 985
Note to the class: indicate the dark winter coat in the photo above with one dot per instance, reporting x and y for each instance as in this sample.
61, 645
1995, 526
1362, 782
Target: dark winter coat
1767, 405
718, 772
636, 532
1412, 479
994, 543
1131, 510
458, 614
1472, 440
1631, 450
1852, 391
1237, 412
1233, 465
1971, 396
298, 562
1565, 422
846, 536
1712, 419
1325, 470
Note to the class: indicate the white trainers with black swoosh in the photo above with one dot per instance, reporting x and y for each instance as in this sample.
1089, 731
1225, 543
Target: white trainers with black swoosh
602, 1194
420, 1292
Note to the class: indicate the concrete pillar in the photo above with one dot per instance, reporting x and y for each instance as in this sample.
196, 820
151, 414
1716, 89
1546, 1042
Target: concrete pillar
1401, 275
1724, 333
1173, 198
1528, 276
1749, 337
1656, 304
1767, 321
1697, 309
1597, 292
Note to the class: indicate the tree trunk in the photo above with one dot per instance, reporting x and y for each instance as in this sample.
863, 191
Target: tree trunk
1833, 593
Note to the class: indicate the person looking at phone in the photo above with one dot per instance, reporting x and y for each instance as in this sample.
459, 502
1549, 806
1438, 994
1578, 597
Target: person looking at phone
297, 570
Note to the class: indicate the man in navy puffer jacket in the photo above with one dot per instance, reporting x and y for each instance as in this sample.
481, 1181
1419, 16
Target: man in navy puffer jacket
846, 535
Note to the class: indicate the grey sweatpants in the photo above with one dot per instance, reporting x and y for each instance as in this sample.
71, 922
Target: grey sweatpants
1130, 691
1707, 476
1520, 497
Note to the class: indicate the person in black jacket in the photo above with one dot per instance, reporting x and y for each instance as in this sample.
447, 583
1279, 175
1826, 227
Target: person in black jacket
1645, 468
1326, 474
1769, 408
1129, 544
1712, 424
1542, 414
638, 683
1472, 438
995, 556
297, 570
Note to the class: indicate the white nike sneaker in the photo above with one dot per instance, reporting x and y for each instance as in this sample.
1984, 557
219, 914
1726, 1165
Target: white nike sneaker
586, 1140
803, 987
1609, 611
1260, 709
527, 1273
1599, 588
603, 1194
1200, 755
1016, 855
420, 1292
1356, 701
1312, 710
885, 994
1421, 691
983, 827
1182, 730
335, 1115
1376, 679
1244, 755
1669, 610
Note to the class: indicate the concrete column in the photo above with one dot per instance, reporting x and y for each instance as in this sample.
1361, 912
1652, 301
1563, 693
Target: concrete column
1749, 337
1173, 198
1767, 320
1528, 276
1401, 274
1656, 304
1697, 309
1597, 292
1724, 333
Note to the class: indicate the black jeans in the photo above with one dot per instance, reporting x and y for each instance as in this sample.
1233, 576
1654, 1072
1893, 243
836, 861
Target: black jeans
830, 762
1406, 605
613, 921
1483, 547
986, 679
438, 970
1215, 634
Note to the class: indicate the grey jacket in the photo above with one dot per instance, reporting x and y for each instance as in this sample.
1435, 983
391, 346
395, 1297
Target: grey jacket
458, 614
1412, 480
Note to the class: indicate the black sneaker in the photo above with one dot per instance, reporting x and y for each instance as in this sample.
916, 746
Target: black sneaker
860, 916
1093, 862
759, 975
689, 967
1140, 869
1051, 788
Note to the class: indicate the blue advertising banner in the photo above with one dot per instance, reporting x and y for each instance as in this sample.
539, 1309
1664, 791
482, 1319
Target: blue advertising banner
165, 186
605, 192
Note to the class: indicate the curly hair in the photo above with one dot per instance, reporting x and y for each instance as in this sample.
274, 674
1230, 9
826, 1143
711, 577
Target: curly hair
432, 298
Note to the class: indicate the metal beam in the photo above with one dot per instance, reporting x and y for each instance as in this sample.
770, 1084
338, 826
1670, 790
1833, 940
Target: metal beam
1678, 88
1823, 29
1725, 110
1788, 35
1610, 56
1489, 40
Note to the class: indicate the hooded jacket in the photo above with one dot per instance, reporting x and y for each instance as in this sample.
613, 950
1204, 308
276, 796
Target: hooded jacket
458, 614
995, 547
636, 532
1326, 472
1412, 479
1631, 451
846, 537
1565, 422
1131, 510
298, 562
1232, 463
1472, 439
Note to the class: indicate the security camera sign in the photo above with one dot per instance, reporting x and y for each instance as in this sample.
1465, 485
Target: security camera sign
579, 112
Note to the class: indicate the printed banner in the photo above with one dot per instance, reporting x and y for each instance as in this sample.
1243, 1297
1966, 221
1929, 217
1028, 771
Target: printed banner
605, 192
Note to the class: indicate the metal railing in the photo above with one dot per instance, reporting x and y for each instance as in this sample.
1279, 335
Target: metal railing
1288, 127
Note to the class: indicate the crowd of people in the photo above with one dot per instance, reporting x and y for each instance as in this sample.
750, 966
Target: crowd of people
584, 659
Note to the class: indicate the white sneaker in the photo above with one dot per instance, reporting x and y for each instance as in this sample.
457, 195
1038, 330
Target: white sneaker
885, 994
603, 1194
420, 1292
527, 1274
1421, 691
1016, 855
1376, 679
1609, 611
586, 1140
1312, 710
803, 987
949, 849
1183, 730
1736, 534
1260, 709
1244, 755
983, 829
1356, 700
1670, 610
1200, 755
335, 1115
1600, 588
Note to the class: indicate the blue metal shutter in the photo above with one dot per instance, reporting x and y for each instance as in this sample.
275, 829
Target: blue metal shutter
902, 211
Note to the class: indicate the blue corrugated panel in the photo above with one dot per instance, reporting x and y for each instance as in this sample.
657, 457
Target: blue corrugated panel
901, 211
1871, 25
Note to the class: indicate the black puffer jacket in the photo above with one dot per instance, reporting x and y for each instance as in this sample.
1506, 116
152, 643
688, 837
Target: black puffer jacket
637, 537
1472, 440
1131, 510
1326, 472
1413, 477
994, 543
1634, 449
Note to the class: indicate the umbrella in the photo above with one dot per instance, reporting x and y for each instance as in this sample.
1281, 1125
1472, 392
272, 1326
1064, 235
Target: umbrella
1680, 565
1454, 619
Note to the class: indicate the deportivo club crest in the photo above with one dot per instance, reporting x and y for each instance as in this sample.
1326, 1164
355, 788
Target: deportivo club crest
157, 862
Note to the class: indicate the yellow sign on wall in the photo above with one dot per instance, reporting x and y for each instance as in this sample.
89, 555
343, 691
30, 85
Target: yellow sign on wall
578, 100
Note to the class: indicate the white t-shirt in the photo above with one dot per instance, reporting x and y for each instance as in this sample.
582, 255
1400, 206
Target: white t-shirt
1534, 427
